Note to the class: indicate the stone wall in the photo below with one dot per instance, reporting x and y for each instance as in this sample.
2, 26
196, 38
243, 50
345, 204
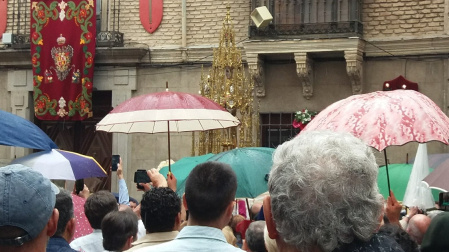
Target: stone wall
393, 18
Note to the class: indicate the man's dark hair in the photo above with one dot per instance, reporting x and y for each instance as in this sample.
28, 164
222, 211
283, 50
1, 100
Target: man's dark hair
159, 208
210, 187
117, 227
97, 206
254, 236
64, 204
401, 236
133, 200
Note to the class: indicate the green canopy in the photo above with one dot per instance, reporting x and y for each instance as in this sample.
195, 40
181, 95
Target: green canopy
251, 165
399, 176
182, 168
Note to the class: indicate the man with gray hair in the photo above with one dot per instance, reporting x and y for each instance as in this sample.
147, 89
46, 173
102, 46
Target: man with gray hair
254, 239
324, 195
59, 242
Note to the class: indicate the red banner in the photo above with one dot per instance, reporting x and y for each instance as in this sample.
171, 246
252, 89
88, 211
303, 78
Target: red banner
62, 55
3, 16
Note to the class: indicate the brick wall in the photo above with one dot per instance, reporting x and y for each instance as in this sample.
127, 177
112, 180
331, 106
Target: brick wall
381, 18
388, 18
204, 22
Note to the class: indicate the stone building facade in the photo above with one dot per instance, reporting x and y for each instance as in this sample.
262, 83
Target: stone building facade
292, 72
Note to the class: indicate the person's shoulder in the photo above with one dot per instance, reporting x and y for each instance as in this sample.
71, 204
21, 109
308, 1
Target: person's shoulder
377, 243
231, 248
386, 243
92, 238
158, 247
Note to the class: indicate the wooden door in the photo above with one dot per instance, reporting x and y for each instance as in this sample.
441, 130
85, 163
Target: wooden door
81, 137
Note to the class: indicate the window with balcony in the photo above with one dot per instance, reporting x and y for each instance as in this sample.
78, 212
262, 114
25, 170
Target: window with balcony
310, 18
108, 23
20, 24
277, 128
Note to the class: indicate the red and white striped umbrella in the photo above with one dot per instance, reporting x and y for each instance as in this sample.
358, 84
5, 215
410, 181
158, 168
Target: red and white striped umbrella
166, 112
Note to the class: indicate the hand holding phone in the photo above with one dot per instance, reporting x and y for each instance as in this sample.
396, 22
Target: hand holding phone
115, 162
141, 176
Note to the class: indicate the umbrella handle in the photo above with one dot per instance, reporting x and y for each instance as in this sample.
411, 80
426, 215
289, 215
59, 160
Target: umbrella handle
386, 168
169, 158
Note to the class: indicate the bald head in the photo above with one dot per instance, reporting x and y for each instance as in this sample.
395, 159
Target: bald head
417, 227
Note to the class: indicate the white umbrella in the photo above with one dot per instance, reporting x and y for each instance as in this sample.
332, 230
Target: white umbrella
63, 165
166, 112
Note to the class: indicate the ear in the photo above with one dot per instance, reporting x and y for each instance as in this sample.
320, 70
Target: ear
128, 243
230, 209
271, 226
178, 220
52, 224
70, 228
245, 245
184, 201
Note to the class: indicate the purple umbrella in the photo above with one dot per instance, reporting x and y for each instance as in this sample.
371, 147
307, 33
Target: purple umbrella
63, 165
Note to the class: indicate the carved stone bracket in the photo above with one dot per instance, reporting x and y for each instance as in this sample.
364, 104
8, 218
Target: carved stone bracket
257, 71
304, 69
354, 68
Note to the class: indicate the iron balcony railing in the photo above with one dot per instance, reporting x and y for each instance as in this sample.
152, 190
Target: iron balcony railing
310, 19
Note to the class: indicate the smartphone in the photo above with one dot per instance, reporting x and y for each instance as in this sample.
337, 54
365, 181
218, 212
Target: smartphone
115, 162
141, 176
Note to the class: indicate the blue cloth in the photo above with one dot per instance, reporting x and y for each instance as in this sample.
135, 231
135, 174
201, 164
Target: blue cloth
195, 239
377, 243
260, 215
58, 244
123, 195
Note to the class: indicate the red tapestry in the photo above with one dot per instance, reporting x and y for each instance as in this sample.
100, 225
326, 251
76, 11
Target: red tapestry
3, 16
62, 55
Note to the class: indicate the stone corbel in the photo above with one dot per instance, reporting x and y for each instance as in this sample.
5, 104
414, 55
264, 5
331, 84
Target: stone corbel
257, 71
354, 68
304, 69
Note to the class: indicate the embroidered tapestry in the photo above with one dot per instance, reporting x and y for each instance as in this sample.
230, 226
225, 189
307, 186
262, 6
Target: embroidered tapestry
62, 56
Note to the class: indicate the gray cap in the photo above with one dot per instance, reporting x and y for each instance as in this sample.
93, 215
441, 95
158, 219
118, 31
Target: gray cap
27, 201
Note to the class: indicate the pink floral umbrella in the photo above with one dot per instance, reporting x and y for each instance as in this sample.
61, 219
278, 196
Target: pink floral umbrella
166, 112
385, 118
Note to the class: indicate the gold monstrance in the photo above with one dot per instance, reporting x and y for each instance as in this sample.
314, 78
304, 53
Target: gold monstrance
227, 85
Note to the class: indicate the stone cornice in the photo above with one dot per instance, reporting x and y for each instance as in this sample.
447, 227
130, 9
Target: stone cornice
103, 56
127, 56
120, 55
373, 47
299, 46
407, 47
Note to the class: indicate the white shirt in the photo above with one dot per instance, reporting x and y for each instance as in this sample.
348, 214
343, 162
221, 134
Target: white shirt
141, 231
89, 243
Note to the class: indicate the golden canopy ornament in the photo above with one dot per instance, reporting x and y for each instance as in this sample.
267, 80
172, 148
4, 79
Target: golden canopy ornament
227, 85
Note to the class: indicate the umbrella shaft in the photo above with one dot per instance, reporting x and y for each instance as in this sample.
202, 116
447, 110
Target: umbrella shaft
386, 168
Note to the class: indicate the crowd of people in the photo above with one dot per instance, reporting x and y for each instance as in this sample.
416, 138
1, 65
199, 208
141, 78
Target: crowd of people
322, 196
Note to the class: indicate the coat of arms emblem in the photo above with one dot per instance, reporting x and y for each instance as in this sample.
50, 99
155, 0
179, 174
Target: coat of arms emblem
62, 56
